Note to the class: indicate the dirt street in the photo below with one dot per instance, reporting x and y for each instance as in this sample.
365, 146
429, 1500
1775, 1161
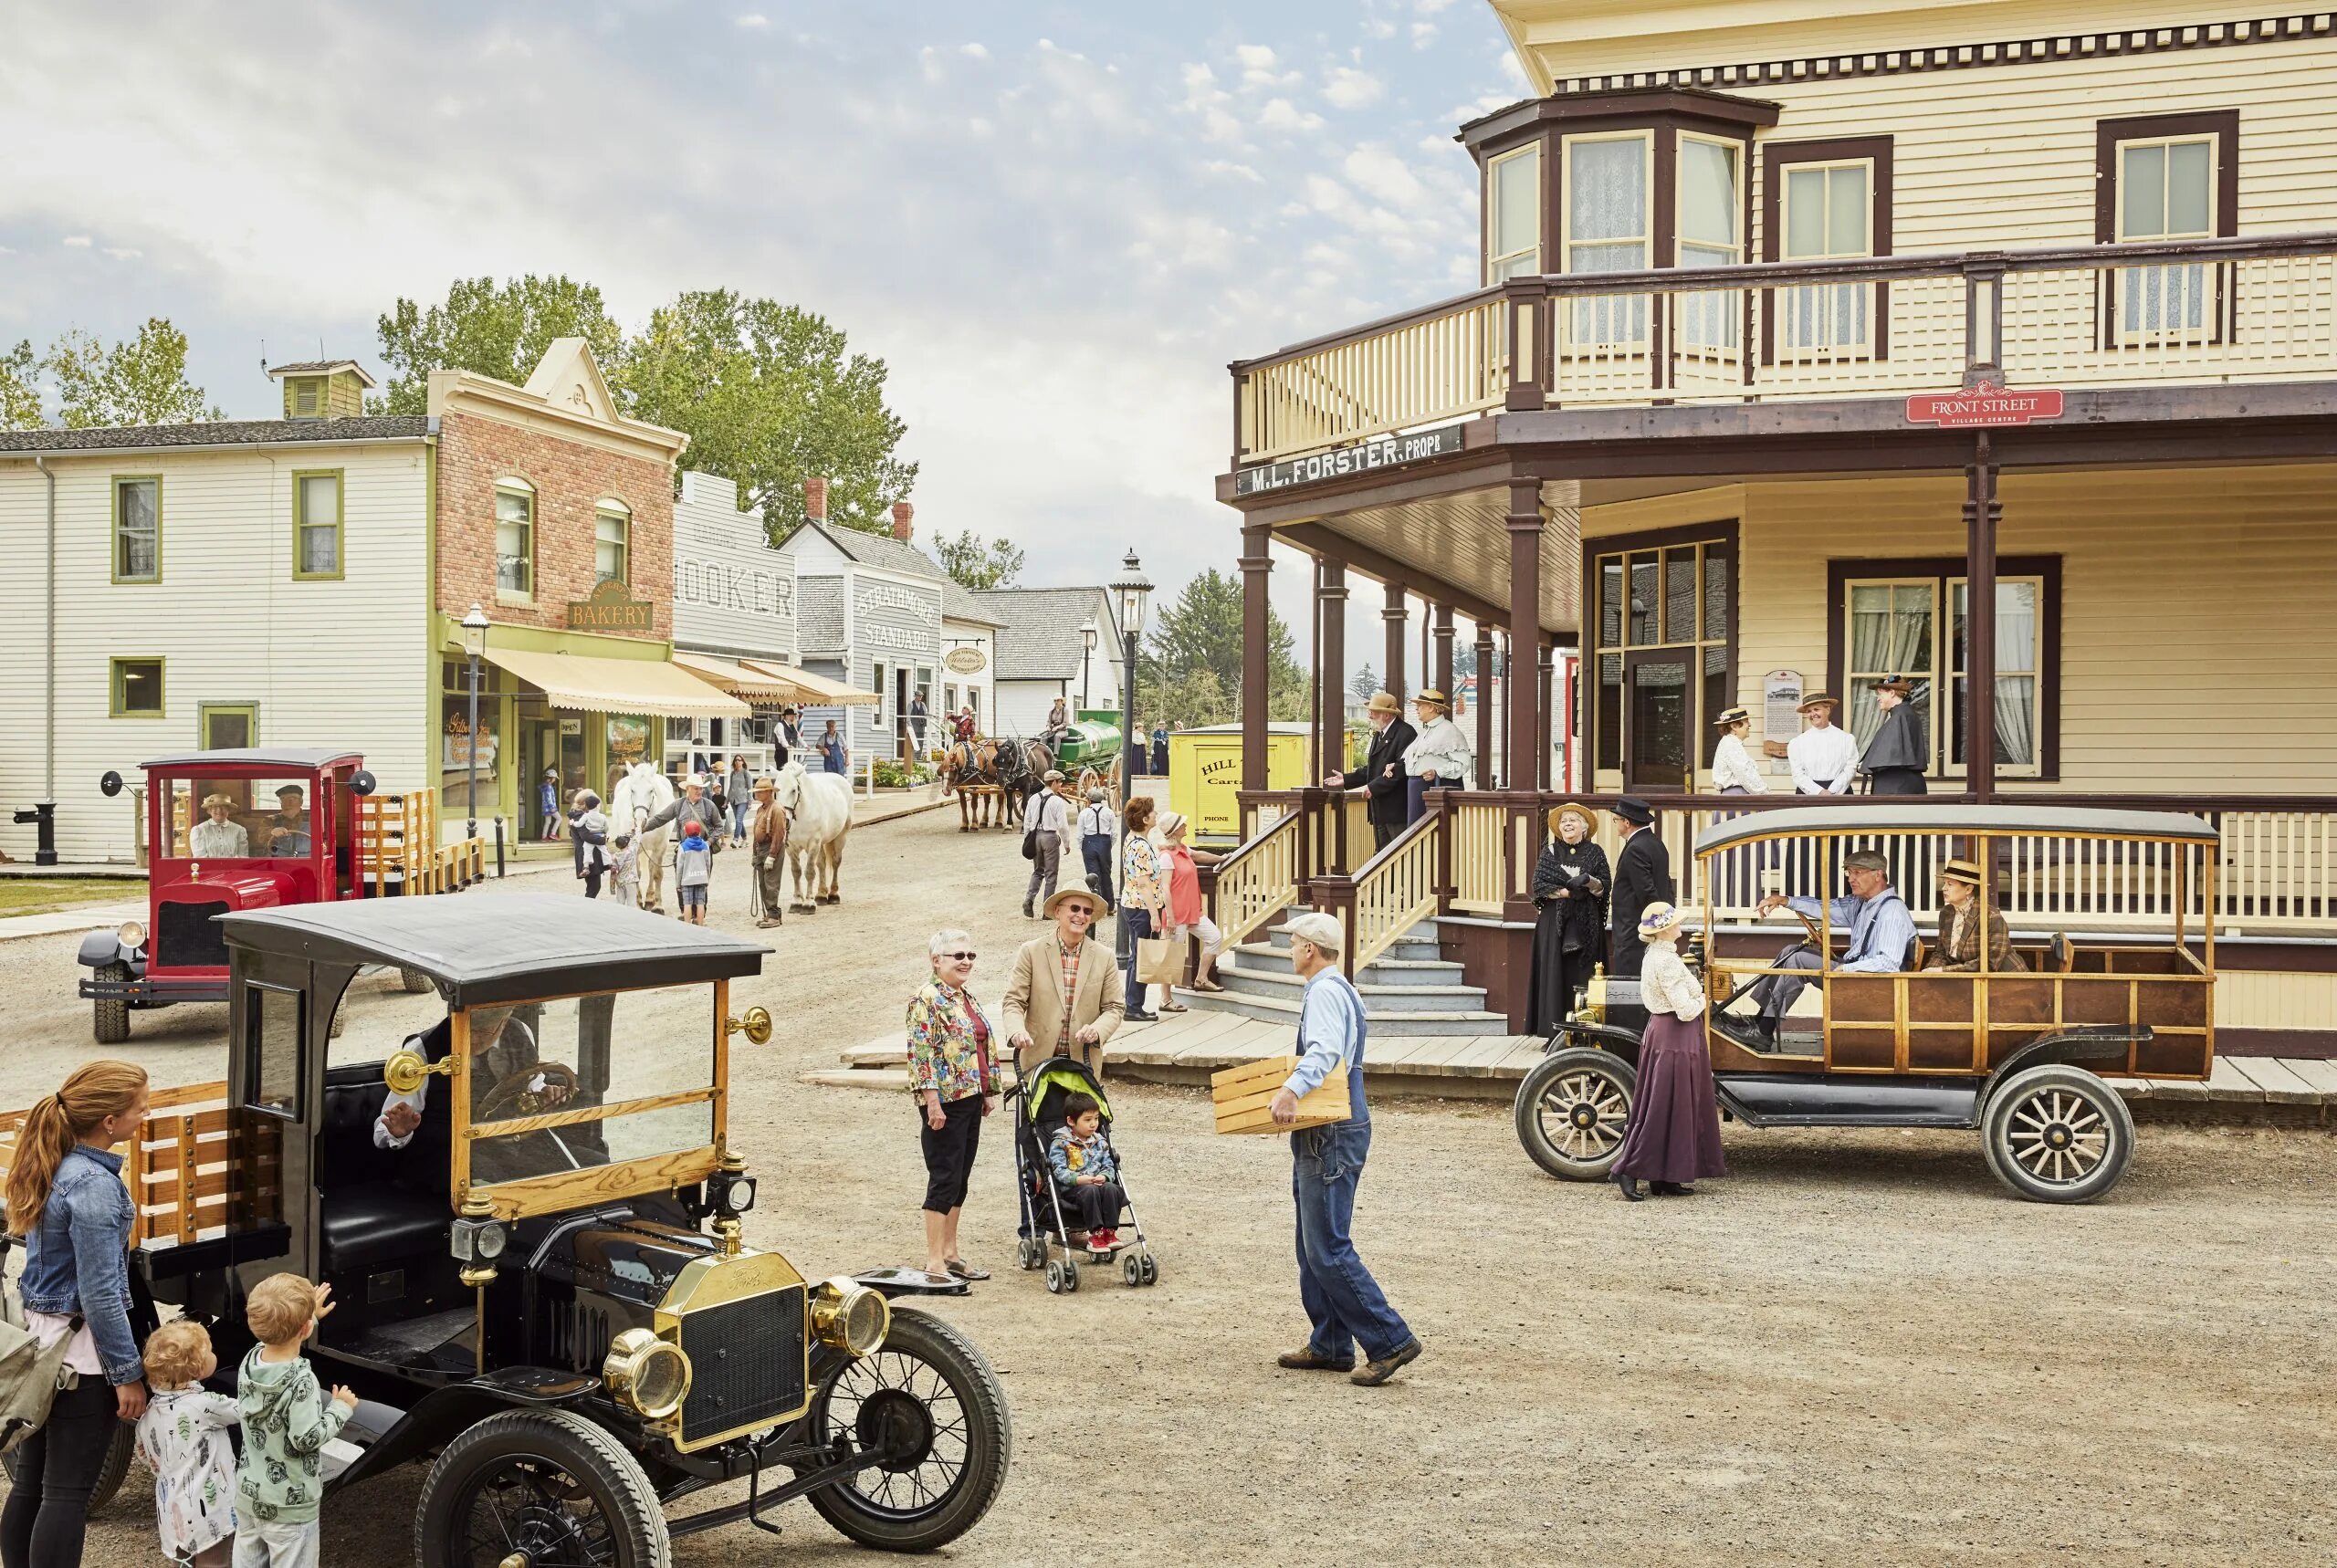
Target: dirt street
1857, 1347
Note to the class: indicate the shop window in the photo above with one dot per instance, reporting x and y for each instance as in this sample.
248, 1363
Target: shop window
612, 543
136, 687
1607, 223
138, 528
1907, 618
1514, 215
514, 539
458, 743
317, 523
1665, 655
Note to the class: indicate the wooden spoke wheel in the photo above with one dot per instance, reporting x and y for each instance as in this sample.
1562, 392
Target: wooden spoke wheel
1572, 1110
2058, 1134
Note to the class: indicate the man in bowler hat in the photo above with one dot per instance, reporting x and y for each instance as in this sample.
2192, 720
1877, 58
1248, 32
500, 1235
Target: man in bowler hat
1643, 876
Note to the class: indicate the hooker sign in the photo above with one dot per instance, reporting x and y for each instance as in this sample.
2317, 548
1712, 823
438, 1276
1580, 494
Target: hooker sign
1985, 404
1380, 452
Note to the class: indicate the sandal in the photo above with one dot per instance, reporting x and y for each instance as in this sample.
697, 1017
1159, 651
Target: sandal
1209, 986
965, 1270
1172, 1007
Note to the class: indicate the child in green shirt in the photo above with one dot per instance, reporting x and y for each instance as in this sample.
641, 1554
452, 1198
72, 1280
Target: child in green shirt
287, 1423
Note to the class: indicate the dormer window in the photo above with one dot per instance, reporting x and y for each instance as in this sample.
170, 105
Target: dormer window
323, 389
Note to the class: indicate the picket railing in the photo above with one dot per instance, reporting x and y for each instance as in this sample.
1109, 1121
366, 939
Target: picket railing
1258, 881
1394, 892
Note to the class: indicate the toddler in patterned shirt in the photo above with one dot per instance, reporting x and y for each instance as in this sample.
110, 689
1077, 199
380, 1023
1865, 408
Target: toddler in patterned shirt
183, 1439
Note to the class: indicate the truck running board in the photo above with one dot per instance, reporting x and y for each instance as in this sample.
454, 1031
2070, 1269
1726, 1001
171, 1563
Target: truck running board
1819, 1100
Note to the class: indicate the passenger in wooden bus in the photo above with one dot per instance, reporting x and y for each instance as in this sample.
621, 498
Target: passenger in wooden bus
1883, 935
1961, 917
219, 836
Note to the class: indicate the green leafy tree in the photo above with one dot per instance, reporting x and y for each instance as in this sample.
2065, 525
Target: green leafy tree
494, 330
976, 565
1203, 629
142, 381
19, 391
1194, 698
770, 397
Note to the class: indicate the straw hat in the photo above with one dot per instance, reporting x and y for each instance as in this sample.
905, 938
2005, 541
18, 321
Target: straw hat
1383, 702
1094, 904
1658, 919
1961, 871
211, 800
1431, 697
1171, 823
1815, 699
766, 784
1733, 716
695, 781
1574, 808
1318, 930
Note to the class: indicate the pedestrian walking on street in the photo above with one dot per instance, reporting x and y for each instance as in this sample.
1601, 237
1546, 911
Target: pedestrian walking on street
66, 1199
1160, 750
953, 1076
739, 794
1095, 843
1144, 897
767, 848
834, 756
1046, 827
1344, 1304
917, 722
1673, 1135
548, 803
589, 830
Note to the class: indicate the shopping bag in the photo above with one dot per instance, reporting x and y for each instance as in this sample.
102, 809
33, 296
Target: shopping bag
1159, 961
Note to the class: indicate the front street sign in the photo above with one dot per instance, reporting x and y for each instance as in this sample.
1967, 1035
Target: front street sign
1985, 404
1379, 452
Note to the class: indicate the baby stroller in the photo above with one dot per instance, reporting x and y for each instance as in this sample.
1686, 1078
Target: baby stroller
1036, 1104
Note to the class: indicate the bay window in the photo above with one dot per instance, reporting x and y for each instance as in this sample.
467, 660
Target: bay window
1607, 225
1710, 230
1514, 215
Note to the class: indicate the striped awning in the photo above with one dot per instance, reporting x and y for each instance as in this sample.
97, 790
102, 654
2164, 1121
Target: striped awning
581, 683
737, 679
808, 690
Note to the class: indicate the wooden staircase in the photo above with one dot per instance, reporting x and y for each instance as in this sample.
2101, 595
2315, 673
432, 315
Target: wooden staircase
1409, 989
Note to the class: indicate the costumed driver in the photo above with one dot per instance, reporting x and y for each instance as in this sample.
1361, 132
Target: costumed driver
1882, 932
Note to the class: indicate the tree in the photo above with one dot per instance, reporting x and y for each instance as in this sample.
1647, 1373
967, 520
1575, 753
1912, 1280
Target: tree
140, 381
976, 565
19, 396
1194, 698
1203, 631
500, 332
771, 398
1364, 685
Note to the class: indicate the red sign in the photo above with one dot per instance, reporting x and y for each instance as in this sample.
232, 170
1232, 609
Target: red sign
1986, 403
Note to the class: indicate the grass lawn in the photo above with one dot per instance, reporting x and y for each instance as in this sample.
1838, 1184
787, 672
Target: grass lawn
47, 894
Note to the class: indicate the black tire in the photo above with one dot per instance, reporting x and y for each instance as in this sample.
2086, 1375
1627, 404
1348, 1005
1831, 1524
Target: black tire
544, 1484
1132, 1271
1054, 1278
927, 1375
2056, 1134
1070, 1278
1151, 1270
110, 1475
415, 981
1572, 1109
109, 1019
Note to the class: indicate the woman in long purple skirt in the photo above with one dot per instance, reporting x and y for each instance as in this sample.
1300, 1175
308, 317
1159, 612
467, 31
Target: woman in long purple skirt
1674, 1132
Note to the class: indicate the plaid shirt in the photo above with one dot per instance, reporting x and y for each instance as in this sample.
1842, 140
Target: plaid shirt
1069, 958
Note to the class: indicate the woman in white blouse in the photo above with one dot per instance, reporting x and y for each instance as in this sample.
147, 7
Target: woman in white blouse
1674, 1132
1438, 756
1732, 770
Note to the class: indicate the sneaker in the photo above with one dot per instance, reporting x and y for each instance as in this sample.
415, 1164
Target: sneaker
1376, 1372
1307, 1360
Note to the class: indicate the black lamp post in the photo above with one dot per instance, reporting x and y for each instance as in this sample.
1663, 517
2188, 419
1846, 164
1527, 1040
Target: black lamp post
1133, 595
474, 647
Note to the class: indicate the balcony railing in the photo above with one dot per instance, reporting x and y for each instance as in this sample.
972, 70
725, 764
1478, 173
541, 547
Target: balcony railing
2175, 312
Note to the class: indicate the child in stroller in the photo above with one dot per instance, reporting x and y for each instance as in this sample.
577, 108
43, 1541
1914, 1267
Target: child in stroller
1063, 1134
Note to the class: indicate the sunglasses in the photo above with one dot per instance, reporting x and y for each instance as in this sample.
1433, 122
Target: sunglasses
961, 957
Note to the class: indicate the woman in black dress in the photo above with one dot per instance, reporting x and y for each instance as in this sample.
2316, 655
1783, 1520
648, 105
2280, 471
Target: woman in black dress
1571, 931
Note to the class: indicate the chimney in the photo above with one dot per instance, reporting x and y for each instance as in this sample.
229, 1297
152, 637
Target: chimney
902, 513
816, 499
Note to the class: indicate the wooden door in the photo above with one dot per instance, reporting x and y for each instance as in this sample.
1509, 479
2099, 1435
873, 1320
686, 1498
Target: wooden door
1659, 721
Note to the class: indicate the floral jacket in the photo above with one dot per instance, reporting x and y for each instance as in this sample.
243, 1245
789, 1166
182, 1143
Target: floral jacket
944, 1054
1144, 885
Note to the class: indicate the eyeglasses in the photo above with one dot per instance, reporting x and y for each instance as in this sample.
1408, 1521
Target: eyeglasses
961, 957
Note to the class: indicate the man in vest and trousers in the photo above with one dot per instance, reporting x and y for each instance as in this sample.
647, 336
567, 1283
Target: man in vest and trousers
1382, 778
1342, 1302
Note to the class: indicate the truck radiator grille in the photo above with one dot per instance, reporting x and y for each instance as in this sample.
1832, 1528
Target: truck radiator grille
746, 1364
186, 938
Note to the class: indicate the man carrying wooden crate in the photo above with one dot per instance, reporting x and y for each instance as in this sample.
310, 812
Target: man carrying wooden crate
1342, 1302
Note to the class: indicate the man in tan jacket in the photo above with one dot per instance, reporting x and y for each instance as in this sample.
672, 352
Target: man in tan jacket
1064, 997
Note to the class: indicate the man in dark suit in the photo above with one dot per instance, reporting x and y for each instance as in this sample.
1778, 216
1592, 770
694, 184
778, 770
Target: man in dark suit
1382, 775
1643, 876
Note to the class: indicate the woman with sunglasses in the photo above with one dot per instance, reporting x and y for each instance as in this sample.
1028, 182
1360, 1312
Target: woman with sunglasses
953, 1073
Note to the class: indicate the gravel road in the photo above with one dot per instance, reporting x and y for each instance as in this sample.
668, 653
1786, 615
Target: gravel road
1856, 1347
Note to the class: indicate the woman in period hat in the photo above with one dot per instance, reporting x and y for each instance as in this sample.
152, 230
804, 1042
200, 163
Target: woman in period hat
1674, 1136
1570, 922
1732, 770
218, 836
1963, 917
1823, 758
1895, 761
1438, 756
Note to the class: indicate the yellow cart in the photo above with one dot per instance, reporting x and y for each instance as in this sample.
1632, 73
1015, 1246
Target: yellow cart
1205, 775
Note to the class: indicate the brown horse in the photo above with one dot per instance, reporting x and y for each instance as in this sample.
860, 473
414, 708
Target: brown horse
970, 772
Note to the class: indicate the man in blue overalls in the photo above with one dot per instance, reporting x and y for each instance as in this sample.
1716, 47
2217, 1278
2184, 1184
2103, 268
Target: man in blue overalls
1342, 1301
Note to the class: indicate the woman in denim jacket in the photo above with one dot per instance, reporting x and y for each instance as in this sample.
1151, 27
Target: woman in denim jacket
67, 1199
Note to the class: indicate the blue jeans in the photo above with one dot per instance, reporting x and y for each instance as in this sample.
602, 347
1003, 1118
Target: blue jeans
1342, 1301
738, 820
1139, 925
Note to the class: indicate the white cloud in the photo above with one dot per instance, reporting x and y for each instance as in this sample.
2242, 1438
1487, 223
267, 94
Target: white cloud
752, 22
79, 242
1259, 72
1379, 29
1512, 72
1207, 102
1281, 114
1254, 56
1347, 87
1237, 171
1423, 35
122, 252
1430, 7
973, 51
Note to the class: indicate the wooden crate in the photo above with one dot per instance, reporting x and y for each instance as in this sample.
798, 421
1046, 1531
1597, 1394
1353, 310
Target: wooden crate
1241, 1095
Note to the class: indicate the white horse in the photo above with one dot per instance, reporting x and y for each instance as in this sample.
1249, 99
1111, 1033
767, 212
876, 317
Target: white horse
640, 795
819, 815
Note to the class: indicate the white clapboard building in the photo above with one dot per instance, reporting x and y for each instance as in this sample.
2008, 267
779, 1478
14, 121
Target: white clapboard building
735, 624
870, 617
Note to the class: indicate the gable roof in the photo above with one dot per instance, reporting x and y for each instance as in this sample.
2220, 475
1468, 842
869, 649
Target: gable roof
819, 613
880, 550
1037, 637
321, 368
959, 604
221, 433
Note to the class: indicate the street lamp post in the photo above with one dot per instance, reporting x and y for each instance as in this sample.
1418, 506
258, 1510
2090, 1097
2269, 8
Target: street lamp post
474, 647
1086, 657
1133, 595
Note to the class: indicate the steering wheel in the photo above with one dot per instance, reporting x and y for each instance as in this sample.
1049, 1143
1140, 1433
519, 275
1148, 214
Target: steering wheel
518, 1096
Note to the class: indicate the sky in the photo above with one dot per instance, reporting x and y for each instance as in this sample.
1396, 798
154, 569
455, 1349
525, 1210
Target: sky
1056, 223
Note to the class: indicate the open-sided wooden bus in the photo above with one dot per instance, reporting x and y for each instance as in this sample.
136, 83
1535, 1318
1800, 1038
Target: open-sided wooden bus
2115, 974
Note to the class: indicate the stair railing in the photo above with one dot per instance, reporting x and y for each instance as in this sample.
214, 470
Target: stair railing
1256, 881
1388, 894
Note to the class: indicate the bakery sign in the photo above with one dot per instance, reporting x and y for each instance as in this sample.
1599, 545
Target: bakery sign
1981, 405
610, 607
1379, 452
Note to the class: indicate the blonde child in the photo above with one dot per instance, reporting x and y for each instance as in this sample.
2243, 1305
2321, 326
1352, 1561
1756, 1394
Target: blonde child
182, 1438
288, 1421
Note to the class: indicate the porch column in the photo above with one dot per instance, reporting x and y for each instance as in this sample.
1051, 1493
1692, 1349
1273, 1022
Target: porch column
1442, 670
1982, 512
1393, 616
1255, 564
1330, 675
1525, 523
1544, 665
1486, 770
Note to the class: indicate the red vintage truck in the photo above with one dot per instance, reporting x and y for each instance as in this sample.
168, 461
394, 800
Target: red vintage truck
256, 828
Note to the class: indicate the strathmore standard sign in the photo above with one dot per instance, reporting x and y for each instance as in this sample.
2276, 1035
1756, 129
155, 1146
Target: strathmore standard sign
1379, 452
